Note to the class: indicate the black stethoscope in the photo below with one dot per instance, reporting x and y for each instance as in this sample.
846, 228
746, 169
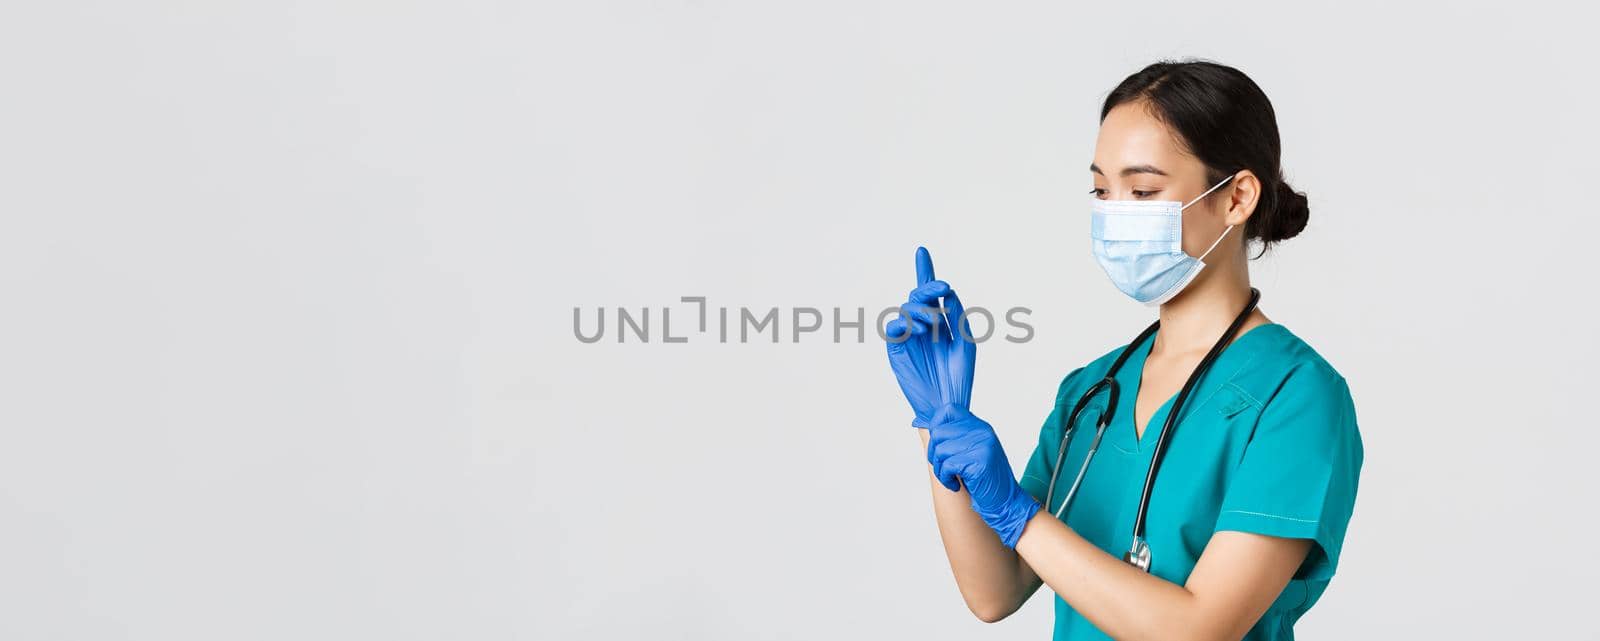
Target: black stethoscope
1138, 554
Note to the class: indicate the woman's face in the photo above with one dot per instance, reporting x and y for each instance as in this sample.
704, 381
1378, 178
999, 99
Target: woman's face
1136, 157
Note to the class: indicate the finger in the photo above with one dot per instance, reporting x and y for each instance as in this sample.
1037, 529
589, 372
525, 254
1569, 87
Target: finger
924, 300
924, 266
929, 293
944, 443
905, 321
949, 480
949, 470
895, 329
958, 370
938, 448
957, 312
919, 314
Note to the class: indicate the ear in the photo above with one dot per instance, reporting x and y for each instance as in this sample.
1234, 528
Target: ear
1244, 193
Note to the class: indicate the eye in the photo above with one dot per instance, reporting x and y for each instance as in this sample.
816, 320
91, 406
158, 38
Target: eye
1098, 193
1145, 194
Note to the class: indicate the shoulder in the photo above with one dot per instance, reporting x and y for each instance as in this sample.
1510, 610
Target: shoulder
1300, 396
1283, 363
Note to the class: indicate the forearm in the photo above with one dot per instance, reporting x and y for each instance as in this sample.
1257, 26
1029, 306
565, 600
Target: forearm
1120, 599
992, 578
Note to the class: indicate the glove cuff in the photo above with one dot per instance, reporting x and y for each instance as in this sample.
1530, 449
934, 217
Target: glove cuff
952, 413
1018, 512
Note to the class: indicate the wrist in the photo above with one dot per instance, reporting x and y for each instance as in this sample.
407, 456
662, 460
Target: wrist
953, 413
1015, 519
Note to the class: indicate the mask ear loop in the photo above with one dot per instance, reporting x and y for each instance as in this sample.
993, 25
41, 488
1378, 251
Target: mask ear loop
1202, 257
1207, 193
1225, 231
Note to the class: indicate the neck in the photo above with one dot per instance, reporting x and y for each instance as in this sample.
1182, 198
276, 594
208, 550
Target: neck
1194, 319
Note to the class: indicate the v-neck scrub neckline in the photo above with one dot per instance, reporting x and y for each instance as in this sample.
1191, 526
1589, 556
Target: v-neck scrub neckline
1268, 444
1134, 368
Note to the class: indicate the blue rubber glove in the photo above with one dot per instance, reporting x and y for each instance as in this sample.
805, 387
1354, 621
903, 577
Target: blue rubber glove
932, 363
964, 450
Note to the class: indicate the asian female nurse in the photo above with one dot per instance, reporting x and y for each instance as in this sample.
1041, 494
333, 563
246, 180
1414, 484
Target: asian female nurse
1195, 483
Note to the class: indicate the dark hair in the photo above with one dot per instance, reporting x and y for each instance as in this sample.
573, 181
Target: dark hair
1226, 121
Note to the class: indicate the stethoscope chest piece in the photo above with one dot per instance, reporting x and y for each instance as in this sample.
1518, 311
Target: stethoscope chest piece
1138, 555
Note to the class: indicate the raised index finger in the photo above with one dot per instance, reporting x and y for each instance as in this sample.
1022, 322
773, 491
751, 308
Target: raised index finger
924, 266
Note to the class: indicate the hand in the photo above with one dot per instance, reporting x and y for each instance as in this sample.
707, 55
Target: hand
964, 450
932, 364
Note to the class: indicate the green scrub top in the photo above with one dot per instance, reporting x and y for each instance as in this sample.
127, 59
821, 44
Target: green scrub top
1267, 444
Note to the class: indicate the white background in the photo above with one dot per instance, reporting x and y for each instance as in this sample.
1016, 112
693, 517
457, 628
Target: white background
287, 294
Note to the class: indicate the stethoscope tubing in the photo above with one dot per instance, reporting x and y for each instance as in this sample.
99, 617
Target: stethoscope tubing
1139, 553
1171, 424
1110, 383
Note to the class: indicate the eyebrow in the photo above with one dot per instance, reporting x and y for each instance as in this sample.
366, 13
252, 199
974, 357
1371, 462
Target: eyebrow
1129, 171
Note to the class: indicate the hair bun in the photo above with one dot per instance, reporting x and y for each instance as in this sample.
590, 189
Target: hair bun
1288, 217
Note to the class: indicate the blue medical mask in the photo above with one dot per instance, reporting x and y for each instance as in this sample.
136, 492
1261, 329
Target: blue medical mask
1139, 243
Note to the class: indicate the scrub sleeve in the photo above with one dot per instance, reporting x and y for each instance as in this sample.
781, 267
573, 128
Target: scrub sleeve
1298, 474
